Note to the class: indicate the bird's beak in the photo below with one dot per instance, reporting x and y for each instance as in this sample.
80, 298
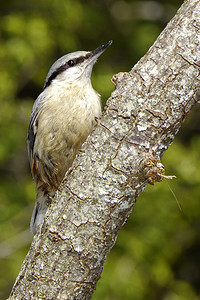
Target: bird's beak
98, 51
93, 55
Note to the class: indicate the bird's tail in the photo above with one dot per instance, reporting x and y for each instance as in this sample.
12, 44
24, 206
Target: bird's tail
41, 205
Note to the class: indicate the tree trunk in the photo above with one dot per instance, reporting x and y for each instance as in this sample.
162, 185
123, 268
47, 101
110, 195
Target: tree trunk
118, 160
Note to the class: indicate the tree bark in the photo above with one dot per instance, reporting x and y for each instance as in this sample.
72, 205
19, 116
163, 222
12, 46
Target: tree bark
118, 160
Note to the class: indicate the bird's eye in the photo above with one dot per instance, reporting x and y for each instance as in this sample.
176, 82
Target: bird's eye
71, 63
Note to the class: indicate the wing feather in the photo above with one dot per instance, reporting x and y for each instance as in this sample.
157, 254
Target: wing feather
33, 125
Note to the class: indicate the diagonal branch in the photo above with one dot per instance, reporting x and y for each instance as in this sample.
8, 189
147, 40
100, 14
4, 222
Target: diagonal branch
118, 160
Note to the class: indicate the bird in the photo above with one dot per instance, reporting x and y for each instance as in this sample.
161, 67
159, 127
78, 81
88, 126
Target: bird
62, 117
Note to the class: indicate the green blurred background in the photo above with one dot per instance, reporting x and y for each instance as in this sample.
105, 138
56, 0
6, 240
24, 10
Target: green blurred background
156, 255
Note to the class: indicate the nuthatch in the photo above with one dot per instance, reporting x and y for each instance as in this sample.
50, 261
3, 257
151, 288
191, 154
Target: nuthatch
63, 116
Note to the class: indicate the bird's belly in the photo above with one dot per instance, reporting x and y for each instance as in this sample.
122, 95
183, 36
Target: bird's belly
59, 138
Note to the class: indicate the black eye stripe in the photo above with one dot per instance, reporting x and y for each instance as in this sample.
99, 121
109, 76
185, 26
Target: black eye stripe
75, 61
54, 75
80, 59
69, 64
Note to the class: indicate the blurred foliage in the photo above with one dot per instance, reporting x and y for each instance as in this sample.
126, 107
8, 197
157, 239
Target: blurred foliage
156, 255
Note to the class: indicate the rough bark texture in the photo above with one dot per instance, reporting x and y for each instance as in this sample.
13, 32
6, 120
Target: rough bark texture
115, 164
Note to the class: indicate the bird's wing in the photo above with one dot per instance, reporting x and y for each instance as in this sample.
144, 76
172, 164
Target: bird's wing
33, 125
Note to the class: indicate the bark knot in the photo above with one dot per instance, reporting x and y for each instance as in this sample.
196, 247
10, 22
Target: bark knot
152, 170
